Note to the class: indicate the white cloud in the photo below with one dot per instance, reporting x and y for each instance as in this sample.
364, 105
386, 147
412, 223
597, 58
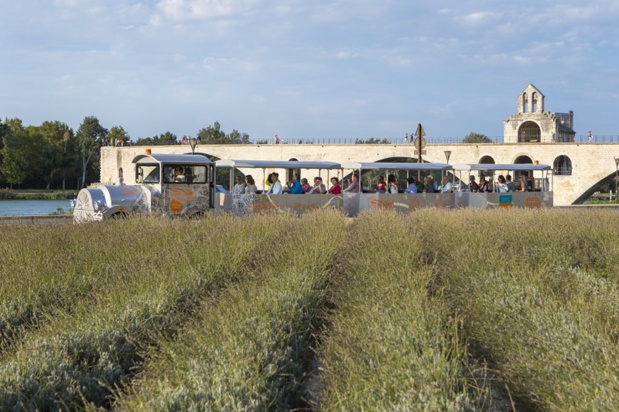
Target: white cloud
479, 17
181, 10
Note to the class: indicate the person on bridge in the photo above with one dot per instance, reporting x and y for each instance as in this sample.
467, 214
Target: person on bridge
412, 186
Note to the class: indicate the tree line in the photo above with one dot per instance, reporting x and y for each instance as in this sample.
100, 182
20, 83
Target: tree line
54, 156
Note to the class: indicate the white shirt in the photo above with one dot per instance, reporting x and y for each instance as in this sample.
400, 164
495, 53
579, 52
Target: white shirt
447, 188
238, 189
276, 189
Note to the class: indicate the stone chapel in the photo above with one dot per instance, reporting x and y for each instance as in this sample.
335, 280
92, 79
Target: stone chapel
533, 124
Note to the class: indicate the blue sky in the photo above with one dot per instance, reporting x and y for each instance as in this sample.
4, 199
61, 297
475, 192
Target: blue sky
308, 69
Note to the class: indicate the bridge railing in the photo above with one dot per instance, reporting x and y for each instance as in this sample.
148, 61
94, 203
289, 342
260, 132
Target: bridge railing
371, 140
429, 140
598, 138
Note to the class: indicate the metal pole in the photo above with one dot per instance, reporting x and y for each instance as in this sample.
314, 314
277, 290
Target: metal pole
616, 175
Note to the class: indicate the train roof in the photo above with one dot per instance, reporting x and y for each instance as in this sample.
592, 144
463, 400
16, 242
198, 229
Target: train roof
277, 164
395, 166
504, 166
173, 159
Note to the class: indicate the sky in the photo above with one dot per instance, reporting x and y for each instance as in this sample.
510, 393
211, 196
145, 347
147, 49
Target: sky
308, 69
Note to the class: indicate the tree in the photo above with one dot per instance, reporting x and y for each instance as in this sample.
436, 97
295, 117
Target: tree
476, 138
14, 156
214, 135
89, 136
54, 140
164, 139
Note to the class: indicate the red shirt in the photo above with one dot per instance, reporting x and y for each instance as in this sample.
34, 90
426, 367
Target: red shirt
336, 189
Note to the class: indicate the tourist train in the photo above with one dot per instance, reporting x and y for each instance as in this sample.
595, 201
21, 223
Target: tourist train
186, 185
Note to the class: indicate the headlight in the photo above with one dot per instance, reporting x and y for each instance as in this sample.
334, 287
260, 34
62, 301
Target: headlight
99, 206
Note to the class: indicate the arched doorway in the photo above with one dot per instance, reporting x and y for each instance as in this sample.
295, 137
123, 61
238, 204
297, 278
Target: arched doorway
529, 132
487, 160
562, 166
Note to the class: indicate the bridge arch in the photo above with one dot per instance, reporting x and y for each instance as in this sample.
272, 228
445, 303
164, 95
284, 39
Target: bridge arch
562, 165
523, 159
529, 132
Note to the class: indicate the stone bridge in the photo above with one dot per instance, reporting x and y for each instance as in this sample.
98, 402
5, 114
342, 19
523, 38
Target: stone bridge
578, 168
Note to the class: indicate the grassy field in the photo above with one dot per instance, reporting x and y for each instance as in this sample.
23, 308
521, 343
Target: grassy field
436, 310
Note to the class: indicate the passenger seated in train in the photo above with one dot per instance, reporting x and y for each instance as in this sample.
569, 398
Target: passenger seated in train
276, 186
295, 185
305, 185
250, 186
511, 187
501, 185
447, 187
412, 185
179, 175
239, 186
335, 189
381, 187
392, 184
354, 186
473, 186
483, 184
428, 184
522, 184
319, 187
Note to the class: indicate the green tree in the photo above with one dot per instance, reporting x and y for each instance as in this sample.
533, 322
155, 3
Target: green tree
118, 134
89, 137
214, 135
164, 139
14, 167
54, 140
476, 138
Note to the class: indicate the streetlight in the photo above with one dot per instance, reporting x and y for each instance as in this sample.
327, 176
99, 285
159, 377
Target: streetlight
616, 180
193, 142
447, 155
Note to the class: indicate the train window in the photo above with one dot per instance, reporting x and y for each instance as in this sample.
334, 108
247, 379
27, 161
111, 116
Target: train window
184, 174
147, 174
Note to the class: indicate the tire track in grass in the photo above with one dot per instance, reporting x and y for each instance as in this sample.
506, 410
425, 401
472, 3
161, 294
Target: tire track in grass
251, 349
84, 355
391, 345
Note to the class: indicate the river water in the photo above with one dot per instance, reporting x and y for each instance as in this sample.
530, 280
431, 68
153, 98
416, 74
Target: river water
32, 207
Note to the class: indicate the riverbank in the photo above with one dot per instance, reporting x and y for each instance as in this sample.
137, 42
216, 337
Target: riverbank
36, 220
36, 194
